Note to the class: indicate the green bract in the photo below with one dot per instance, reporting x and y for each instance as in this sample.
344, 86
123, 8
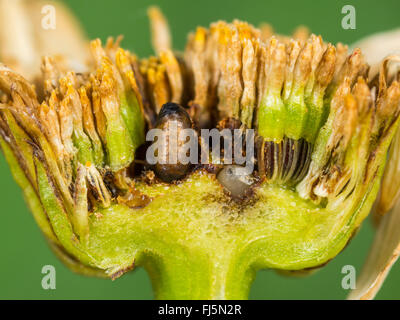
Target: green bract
323, 132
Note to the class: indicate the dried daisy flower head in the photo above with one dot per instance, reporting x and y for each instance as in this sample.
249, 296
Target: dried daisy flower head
78, 143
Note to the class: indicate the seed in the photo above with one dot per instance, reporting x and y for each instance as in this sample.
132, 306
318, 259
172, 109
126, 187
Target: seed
283, 162
236, 180
172, 119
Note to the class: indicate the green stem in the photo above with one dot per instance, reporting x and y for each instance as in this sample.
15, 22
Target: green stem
181, 275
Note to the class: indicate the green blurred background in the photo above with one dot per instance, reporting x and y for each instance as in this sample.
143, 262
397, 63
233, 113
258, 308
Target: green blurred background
24, 251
